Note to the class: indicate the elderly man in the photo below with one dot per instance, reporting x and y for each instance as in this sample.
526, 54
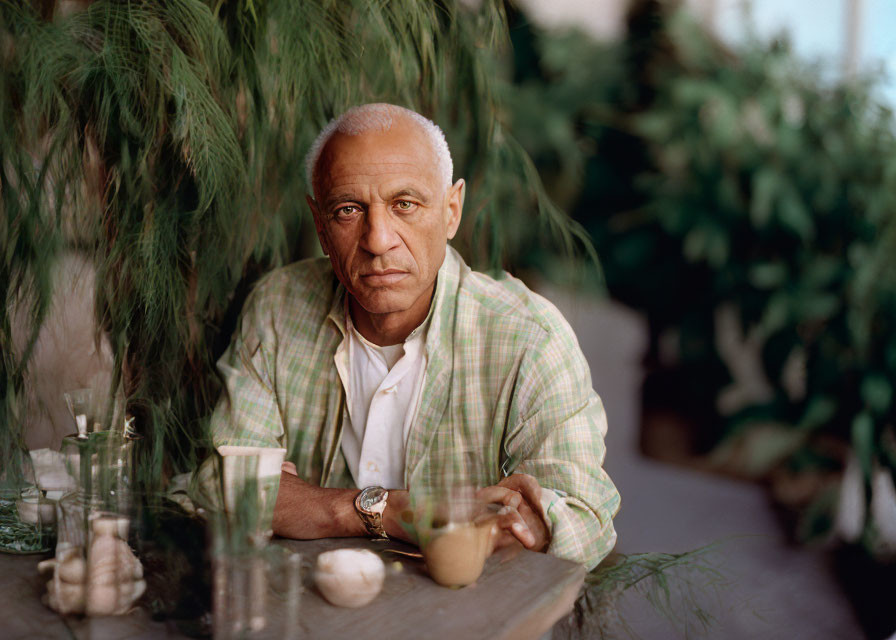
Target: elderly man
392, 365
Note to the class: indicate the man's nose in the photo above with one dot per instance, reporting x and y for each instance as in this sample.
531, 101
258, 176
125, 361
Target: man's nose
379, 234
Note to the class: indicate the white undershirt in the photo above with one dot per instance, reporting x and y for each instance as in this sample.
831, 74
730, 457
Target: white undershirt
382, 387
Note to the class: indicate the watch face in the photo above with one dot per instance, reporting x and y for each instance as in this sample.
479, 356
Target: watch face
371, 496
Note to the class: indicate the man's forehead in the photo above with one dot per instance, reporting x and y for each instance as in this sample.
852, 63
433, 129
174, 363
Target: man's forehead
381, 180
401, 153
401, 140
385, 167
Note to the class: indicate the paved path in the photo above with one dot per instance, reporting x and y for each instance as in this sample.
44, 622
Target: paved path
775, 590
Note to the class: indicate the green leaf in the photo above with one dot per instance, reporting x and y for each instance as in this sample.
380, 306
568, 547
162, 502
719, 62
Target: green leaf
776, 314
823, 270
768, 275
695, 244
793, 214
863, 441
815, 306
818, 413
717, 248
765, 188
877, 392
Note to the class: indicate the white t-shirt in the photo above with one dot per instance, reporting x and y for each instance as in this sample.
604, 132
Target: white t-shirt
382, 387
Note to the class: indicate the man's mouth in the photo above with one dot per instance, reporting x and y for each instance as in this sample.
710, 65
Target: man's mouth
384, 277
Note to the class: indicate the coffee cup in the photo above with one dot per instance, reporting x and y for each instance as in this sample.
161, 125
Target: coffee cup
455, 553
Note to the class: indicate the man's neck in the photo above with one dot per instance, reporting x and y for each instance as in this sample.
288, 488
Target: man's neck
384, 329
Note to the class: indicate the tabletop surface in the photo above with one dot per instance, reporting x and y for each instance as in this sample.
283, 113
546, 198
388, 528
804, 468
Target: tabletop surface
520, 594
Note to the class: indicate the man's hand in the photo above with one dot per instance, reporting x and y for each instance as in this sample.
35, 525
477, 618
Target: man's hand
520, 517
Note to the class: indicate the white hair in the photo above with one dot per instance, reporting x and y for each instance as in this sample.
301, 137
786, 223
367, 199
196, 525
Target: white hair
379, 116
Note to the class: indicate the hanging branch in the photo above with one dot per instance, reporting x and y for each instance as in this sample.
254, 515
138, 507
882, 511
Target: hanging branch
165, 141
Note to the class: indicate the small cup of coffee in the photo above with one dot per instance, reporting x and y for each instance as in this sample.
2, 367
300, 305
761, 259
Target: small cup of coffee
456, 538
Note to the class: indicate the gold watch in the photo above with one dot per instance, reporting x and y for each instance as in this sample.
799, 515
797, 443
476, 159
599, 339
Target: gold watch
370, 505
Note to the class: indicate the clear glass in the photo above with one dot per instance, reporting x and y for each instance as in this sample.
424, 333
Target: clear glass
27, 518
72, 520
103, 465
250, 477
455, 532
258, 593
454, 529
85, 410
94, 524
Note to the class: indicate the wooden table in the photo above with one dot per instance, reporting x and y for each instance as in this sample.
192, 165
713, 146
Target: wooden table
519, 595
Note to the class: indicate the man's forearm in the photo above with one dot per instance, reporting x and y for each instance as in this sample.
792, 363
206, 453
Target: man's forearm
306, 512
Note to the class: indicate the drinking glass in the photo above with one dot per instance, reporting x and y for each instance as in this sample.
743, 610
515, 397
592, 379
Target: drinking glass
240, 531
102, 462
84, 407
455, 533
26, 517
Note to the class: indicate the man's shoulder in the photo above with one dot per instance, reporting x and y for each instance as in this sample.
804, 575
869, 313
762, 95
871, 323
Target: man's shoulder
306, 286
505, 302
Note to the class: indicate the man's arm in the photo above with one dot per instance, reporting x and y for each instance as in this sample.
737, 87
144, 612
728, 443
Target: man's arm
304, 511
248, 415
559, 440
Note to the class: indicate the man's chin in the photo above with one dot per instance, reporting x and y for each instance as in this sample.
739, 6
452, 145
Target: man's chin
382, 302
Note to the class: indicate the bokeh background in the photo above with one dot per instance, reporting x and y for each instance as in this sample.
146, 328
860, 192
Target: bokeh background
705, 188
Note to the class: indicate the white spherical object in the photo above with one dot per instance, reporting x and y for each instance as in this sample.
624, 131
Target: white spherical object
349, 577
111, 525
112, 599
64, 597
72, 571
110, 561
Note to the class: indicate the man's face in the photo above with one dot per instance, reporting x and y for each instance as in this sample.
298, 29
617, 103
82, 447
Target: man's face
384, 215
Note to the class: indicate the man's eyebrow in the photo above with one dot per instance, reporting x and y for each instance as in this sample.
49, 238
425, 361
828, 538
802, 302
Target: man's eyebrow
339, 197
408, 191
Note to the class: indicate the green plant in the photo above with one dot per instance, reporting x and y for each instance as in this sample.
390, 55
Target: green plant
739, 192
165, 141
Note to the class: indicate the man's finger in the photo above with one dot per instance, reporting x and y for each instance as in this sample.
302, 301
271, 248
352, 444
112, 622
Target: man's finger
526, 485
290, 468
503, 539
500, 495
509, 519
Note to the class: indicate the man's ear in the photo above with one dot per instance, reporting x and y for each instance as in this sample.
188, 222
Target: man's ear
456, 194
318, 224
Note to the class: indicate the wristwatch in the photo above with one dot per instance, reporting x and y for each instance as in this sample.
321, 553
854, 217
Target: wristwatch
370, 505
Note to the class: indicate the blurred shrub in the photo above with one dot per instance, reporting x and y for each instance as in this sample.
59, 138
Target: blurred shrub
738, 193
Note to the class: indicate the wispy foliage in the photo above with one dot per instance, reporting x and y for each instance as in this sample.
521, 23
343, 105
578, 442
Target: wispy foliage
684, 588
165, 140
741, 184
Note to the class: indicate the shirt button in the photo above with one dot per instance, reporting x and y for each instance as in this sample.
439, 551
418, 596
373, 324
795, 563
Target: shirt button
373, 467
390, 389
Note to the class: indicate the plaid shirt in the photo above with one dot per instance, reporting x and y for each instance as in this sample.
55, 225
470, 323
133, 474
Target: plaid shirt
506, 390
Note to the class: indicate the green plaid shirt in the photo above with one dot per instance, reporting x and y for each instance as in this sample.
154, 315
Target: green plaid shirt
506, 390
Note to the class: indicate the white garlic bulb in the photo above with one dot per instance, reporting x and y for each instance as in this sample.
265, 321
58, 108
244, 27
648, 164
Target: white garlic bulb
349, 577
107, 525
111, 560
113, 599
65, 597
72, 571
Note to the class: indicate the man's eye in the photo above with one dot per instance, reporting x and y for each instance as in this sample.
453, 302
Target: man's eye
346, 212
404, 205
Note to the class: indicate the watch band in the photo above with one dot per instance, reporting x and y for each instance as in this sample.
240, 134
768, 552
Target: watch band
370, 505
